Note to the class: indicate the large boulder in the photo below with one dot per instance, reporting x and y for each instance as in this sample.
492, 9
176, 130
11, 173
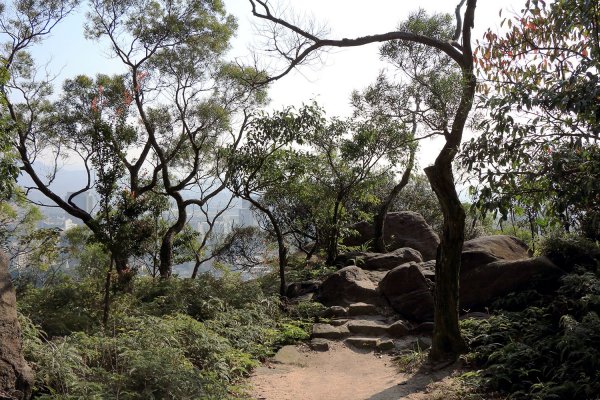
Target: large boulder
380, 261
402, 229
482, 284
296, 289
486, 249
428, 269
348, 286
408, 292
16, 378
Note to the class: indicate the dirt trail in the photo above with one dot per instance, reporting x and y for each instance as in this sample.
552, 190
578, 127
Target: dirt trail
341, 373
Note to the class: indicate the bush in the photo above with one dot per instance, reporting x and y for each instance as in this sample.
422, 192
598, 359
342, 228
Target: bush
64, 308
173, 339
547, 351
174, 357
570, 251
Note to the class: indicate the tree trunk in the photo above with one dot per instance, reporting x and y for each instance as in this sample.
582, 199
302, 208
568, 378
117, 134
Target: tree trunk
282, 265
332, 245
379, 238
16, 378
166, 254
282, 248
107, 293
197, 264
447, 341
124, 273
166, 247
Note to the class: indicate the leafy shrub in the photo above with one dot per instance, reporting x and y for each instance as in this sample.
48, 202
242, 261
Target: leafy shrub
202, 298
175, 357
64, 308
548, 351
569, 251
173, 339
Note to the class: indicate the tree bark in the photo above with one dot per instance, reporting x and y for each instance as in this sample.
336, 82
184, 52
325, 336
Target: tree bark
379, 239
166, 248
166, 255
447, 341
282, 248
16, 378
332, 245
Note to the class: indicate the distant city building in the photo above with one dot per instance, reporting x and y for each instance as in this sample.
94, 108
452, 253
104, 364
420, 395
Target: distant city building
86, 201
246, 216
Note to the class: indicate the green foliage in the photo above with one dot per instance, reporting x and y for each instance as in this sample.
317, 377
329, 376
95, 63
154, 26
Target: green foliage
173, 357
545, 347
34, 252
63, 308
569, 251
538, 150
168, 339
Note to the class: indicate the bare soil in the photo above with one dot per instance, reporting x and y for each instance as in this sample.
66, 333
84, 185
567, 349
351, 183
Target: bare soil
297, 373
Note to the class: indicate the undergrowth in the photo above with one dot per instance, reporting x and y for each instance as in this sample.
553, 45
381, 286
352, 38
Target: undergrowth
176, 339
543, 347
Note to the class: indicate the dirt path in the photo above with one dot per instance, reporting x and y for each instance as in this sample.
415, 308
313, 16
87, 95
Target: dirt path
342, 374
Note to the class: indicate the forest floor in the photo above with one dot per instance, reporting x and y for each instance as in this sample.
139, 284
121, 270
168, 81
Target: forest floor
298, 373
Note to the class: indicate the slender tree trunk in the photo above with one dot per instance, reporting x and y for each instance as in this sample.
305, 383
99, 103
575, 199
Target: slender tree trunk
107, 292
332, 246
313, 249
196, 266
446, 335
379, 239
282, 265
166, 248
281, 246
166, 254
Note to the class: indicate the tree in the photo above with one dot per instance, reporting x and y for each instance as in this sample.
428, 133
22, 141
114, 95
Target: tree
300, 45
33, 253
423, 98
266, 160
350, 156
183, 93
155, 127
538, 150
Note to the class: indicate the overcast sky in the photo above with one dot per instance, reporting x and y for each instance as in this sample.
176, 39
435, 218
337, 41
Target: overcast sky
330, 83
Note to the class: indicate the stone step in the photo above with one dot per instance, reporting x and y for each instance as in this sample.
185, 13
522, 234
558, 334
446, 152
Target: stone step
327, 331
338, 322
335, 312
370, 343
362, 342
398, 329
368, 327
362, 309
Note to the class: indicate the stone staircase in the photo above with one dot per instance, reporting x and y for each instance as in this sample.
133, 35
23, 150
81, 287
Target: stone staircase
367, 327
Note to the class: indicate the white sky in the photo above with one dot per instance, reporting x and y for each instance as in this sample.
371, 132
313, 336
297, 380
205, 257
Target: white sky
330, 83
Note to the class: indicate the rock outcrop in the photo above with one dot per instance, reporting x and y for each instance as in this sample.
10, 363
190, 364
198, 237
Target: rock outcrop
493, 266
408, 292
301, 288
16, 378
347, 286
402, 229
486, 249
380, 261
482, 284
